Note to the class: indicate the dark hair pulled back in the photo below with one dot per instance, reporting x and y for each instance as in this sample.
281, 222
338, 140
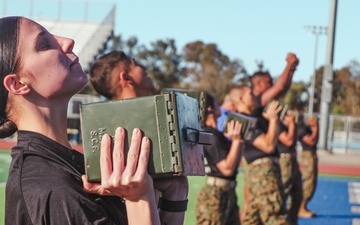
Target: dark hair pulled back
9, 63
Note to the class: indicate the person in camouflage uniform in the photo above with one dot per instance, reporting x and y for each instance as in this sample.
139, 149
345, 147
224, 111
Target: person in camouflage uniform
262, 174
264, 90
217, 200
266, 199
290, 173
308, 137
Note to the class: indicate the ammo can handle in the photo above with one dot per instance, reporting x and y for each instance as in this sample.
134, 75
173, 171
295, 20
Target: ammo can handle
205, 138
197, 137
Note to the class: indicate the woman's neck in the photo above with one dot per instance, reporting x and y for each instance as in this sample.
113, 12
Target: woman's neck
48, 121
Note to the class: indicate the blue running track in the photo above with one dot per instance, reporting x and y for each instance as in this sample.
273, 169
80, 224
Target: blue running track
336, 202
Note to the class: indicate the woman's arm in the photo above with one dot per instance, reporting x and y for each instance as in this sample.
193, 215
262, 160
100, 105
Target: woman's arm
173, 199
131, 182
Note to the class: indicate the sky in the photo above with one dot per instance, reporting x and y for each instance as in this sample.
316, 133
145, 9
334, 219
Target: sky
249, 30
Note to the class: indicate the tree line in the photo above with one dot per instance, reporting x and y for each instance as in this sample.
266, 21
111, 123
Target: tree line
203, 66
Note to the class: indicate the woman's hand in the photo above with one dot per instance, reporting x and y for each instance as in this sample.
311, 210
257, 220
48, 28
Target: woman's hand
131, 182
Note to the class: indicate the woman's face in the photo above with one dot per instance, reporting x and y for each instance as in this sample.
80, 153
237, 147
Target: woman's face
48, 64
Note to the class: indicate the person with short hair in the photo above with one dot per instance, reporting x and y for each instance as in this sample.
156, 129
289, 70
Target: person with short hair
265, 89
289, 167
217, 200
262, 174
117, 76
308, 135
226, 107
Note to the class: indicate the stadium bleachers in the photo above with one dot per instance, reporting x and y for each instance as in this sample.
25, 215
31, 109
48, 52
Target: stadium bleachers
90, 37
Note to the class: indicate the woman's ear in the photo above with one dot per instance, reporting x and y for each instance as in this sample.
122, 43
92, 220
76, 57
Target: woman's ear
15, 86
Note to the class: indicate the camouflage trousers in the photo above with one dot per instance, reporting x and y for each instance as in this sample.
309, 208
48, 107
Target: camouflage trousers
217, 206
286, 168
266, 199
308, 163
291, 178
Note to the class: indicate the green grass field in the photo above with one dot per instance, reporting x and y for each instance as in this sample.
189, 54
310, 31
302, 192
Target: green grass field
195, 184
4, 168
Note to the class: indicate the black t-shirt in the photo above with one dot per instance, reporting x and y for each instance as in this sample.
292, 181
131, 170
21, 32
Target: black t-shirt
216, 152
251, 152
302, 130
257, 112
45, 187
280, 147
258, 107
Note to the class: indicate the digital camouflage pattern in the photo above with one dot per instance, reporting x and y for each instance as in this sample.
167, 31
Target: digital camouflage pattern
294, 195
217, 206
286, 168
266, 200
308, 163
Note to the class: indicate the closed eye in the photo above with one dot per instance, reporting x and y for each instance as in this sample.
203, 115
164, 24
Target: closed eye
44, 42
44, 45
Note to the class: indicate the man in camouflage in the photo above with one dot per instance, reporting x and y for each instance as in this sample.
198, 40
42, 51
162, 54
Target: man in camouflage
264, 90
290, 173
266, 197
217, 200
308, 137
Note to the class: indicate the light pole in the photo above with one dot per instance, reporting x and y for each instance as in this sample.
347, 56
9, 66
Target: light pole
4, 8
315, 30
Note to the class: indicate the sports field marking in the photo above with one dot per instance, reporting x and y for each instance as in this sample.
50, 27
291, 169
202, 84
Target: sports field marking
354, 194
356, 222
355, 209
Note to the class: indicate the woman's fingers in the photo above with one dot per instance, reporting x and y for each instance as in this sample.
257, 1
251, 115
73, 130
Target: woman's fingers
118, 154
105, 158
144, 157
130, 181
133, 154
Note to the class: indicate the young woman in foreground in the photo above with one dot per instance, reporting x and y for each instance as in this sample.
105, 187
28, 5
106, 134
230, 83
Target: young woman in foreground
46, 184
